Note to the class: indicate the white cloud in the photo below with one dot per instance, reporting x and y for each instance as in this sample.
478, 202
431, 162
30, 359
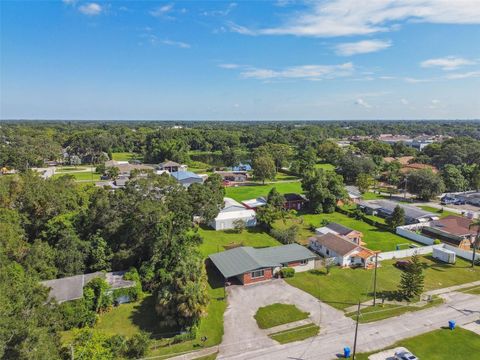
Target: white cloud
162, 11
463, 75
223, 12
362, 47
354, 17
69, 2
90, 9
179, 44
306, 72
404, 101
229, 66
447, 63
416, 80
240, 29
363, 103
435, 101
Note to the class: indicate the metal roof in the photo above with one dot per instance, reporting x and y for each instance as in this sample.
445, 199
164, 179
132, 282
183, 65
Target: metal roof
183, 175
240, 260
387, 205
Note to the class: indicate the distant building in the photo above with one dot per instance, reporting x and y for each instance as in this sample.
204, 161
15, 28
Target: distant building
385, 208
187, 178
172, 166
354, 193
454, 230
340, 230
234, 176
249, 265
294, 201
125, 168
232, 211
242, 167
255, 203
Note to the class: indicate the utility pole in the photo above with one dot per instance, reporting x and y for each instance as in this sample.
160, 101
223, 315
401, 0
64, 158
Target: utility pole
71, 352
356, 331
375, 280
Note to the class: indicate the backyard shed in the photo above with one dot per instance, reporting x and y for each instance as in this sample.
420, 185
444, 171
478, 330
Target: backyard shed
444, 255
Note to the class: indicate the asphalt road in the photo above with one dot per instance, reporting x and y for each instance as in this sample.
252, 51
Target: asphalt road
463, 308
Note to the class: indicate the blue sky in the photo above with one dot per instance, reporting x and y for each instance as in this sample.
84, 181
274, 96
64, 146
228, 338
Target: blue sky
244, 60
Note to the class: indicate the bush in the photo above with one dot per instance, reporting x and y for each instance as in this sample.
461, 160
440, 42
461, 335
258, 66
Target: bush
287, 272
137, 345
239, 226
436, 242
76, 314
287, 236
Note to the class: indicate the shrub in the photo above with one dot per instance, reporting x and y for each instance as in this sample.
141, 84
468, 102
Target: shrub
287, 272
137, 345
239, 226
286, 236
436, 242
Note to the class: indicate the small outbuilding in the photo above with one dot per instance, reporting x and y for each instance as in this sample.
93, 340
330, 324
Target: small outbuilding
231, 212
444, 255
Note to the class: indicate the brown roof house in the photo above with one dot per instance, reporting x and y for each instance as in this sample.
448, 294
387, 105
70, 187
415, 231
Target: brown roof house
453, 230
294, 201
346, 253
171, 166
340, 230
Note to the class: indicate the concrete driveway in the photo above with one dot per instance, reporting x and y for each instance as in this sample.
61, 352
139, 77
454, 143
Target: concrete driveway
241, 331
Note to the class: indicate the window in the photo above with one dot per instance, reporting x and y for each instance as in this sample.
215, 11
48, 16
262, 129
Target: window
257, 274
304, 262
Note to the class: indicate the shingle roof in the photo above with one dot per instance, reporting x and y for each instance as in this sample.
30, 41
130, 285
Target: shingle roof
183, 175
339, 229
453, 224
244, 259
335, 243
410, 211
293, 197
169, 164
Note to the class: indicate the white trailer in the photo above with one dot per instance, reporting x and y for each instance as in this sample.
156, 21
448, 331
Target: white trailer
444, 255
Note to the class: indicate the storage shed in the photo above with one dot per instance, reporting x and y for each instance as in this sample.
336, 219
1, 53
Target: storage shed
444, 255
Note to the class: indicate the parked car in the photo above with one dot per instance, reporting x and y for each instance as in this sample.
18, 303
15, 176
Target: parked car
402, 264
405, 355
448, 200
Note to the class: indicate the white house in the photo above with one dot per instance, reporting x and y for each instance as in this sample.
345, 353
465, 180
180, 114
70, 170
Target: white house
345, 252
232, 211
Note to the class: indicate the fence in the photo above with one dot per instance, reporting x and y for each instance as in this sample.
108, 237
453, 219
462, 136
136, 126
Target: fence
409, 232
398, 254
465, 254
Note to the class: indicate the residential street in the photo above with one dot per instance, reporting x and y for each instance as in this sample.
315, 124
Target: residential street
462, 308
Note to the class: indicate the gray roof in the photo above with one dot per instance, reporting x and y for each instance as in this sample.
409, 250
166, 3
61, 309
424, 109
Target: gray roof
410, 211
339, 229
240, 260
71, 288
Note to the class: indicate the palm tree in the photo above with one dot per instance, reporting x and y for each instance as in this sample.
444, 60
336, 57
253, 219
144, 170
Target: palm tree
475, 223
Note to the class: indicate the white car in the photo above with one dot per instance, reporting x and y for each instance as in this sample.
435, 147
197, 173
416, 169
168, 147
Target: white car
405, 355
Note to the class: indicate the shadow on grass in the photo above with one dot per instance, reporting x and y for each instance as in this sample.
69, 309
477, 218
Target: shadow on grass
145, 317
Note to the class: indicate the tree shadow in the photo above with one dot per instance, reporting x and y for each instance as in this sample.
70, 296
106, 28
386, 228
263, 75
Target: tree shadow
390, 295
146, 318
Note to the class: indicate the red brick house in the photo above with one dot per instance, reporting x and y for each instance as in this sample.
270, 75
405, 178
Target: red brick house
250, 265
294, 201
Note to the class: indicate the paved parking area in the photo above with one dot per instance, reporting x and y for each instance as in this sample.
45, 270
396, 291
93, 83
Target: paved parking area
241, 330
387, 354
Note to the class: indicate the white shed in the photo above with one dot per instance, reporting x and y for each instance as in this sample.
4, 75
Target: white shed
232, 211
444, 255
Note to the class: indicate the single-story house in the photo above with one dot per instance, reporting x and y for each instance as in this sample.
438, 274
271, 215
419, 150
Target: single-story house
71, 288
345, 252
337, 229
453, 230
125, 167
171, 166
294, 201
187, 178
235, 176
385, 208
354, 193
255, 203
250, 265
232, 211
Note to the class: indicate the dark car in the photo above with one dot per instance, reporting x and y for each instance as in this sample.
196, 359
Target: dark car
405, 355
402, 264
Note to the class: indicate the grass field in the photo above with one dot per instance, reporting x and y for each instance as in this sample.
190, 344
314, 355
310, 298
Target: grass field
440, 344
215, 241
345, 287
438, 211
296, 334
375, 238
125, 156
378, 312
80, 176
325, 166
241, 193
208, 357
278, 314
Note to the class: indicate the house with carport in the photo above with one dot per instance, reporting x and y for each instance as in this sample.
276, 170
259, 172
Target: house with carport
251, 265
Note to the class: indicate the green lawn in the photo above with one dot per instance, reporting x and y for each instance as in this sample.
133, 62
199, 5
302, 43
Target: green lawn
296, 334
216, 241
378, 312
375, 238
440, 344
325, 166
65, 169
474, 290
80, 176
241, 193
208, 357
438, 211
125, 156
278, 314
345, 287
